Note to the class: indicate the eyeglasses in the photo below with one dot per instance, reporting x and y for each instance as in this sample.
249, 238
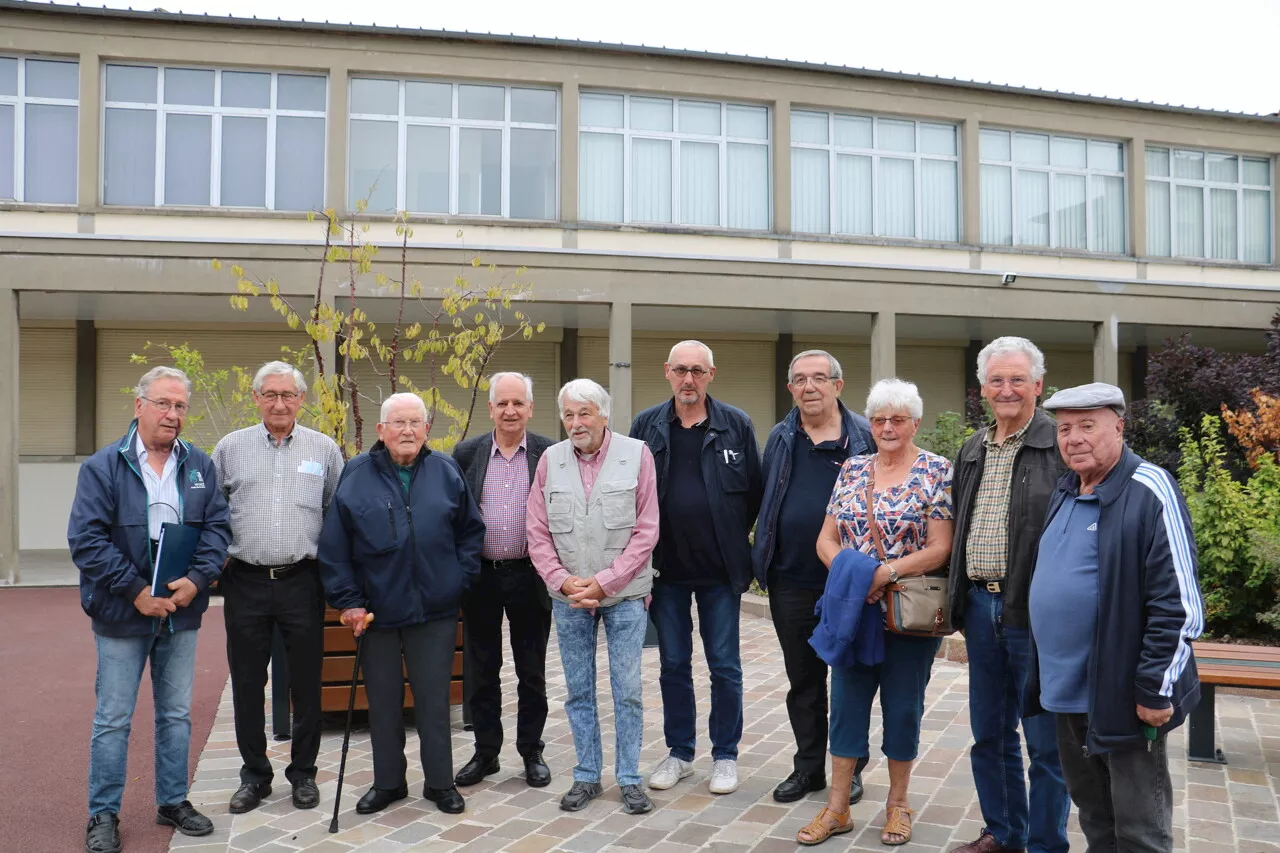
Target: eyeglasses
272, 396
816, 381
1012, 382
401, 425
165, 405
681, 371
896, 420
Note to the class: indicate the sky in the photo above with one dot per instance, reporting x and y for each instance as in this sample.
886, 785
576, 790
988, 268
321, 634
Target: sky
1218, 54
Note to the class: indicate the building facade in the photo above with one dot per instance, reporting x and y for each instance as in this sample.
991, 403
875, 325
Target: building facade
765, 207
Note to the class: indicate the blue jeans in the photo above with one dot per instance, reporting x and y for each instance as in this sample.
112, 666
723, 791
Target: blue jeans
901, 681
120, 664
999, 657
576, 631
718, 617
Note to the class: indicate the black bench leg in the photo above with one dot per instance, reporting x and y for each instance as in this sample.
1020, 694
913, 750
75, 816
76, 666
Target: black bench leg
1200, 742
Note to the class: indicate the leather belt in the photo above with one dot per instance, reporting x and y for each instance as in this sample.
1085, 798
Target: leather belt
507, 565
276, 573
993, 587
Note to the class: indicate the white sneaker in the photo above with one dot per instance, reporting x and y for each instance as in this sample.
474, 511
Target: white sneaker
724, 776
669, 772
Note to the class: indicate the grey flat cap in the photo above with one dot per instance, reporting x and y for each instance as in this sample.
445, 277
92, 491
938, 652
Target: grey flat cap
1095, 395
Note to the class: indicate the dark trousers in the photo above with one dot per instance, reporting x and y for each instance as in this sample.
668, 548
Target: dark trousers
426, 652
793, 619
513, 588
1125, 798
254, 605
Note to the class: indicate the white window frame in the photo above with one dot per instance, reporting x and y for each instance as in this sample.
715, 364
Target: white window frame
19, 103
1087, 172
163, 110
1207, 185
455, 126
876, 153
721, 141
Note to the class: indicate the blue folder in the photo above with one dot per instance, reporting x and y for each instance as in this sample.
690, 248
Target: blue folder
177, 546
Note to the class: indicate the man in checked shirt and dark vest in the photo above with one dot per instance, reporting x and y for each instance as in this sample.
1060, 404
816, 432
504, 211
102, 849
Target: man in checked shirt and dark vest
498, 467
278, 477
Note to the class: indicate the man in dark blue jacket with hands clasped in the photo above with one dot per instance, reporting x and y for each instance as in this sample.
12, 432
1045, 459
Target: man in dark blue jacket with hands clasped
402, 540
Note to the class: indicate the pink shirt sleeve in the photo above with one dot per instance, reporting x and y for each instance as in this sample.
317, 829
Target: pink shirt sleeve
643, 537
542, 550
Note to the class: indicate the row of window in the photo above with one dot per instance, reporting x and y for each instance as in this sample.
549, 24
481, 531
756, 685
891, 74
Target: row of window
256, 139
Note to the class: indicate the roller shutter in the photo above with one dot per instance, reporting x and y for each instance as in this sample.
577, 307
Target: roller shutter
938, 373
47, 413
1067, 368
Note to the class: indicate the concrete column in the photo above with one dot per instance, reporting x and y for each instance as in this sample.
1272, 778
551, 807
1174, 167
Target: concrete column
782, 168
569, 154
89, 119
1137, 166
1106, 351
335, 170
86, 387
783, 350
884, 346
1138, 373
620, 366
9, 498
971, 365
970, 183
568, 356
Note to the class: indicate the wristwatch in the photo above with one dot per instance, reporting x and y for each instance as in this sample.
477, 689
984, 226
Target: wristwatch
893, 575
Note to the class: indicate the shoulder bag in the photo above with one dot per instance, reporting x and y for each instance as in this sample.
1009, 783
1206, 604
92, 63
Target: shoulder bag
917, 606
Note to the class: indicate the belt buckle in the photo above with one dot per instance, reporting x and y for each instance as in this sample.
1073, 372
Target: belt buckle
993, 586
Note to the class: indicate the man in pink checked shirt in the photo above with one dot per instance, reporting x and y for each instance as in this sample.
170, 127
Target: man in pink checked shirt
592, 524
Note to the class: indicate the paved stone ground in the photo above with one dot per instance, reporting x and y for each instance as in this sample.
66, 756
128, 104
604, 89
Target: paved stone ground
1217, 809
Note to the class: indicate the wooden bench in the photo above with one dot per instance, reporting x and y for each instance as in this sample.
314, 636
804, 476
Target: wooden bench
1232, 666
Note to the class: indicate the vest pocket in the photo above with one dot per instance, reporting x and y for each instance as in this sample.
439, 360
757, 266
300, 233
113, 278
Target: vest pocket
559, 512
618, 503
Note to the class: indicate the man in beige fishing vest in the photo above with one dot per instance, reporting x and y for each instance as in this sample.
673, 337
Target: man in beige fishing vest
592, 524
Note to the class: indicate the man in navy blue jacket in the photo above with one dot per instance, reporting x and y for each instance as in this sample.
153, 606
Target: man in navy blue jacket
125, 493
1115, 603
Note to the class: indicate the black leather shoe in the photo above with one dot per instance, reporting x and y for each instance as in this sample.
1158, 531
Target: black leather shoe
184, 818
103, 834
855, 789
536, 771
376, 799
305, 794
476, 769
249, 796
798, 785
448, 800
579, 794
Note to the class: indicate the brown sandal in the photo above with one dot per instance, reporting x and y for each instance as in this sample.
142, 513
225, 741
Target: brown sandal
825, 825
898, 823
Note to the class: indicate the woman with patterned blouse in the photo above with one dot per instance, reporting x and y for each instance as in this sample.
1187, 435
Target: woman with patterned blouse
911, 504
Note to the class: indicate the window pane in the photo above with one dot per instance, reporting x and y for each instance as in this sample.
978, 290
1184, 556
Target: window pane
997, 206
8, 76
1222, 225
129, 157
1033, 208
1158, 162
299, 163
1257, 172
1223, 167
244, 162
939, 199
651, 114
1189, 202
1069, 152
480, 171
427, 168
533, 174
1188, 164
1069, 211
373, 165
246, 89
854, 132
1257, 227
810, 190
600, 174
1158, 239
7, 159
300, 92
809, 127
188, 86
897, 135
488, 103
53, 79
994, 144
748, 122
1106, 196
131, 84
375, 97
1107, 156
897, 198
699, 117
50, 169
699, 182
430, 100
747, 182
188, 159
937, 139
855, 211
533, 105
650, 179
600, 110
1031, 148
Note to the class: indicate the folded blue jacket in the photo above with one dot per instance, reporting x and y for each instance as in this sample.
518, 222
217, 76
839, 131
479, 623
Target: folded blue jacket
849, 631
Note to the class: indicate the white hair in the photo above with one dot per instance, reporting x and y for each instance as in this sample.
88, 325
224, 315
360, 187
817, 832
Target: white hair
833, 366
156, 373
1009, 345
583, 391
497, 377
895, 395
711, 359
401, 397
279, 368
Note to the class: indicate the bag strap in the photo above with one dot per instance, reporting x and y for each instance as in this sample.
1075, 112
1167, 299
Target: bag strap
874, 525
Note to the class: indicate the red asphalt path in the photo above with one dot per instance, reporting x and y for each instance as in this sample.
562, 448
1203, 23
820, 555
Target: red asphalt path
47, 667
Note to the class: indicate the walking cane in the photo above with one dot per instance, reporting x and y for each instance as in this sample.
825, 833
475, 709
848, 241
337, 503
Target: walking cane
346, 736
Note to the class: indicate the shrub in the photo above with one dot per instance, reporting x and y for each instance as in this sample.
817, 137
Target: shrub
949, 433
